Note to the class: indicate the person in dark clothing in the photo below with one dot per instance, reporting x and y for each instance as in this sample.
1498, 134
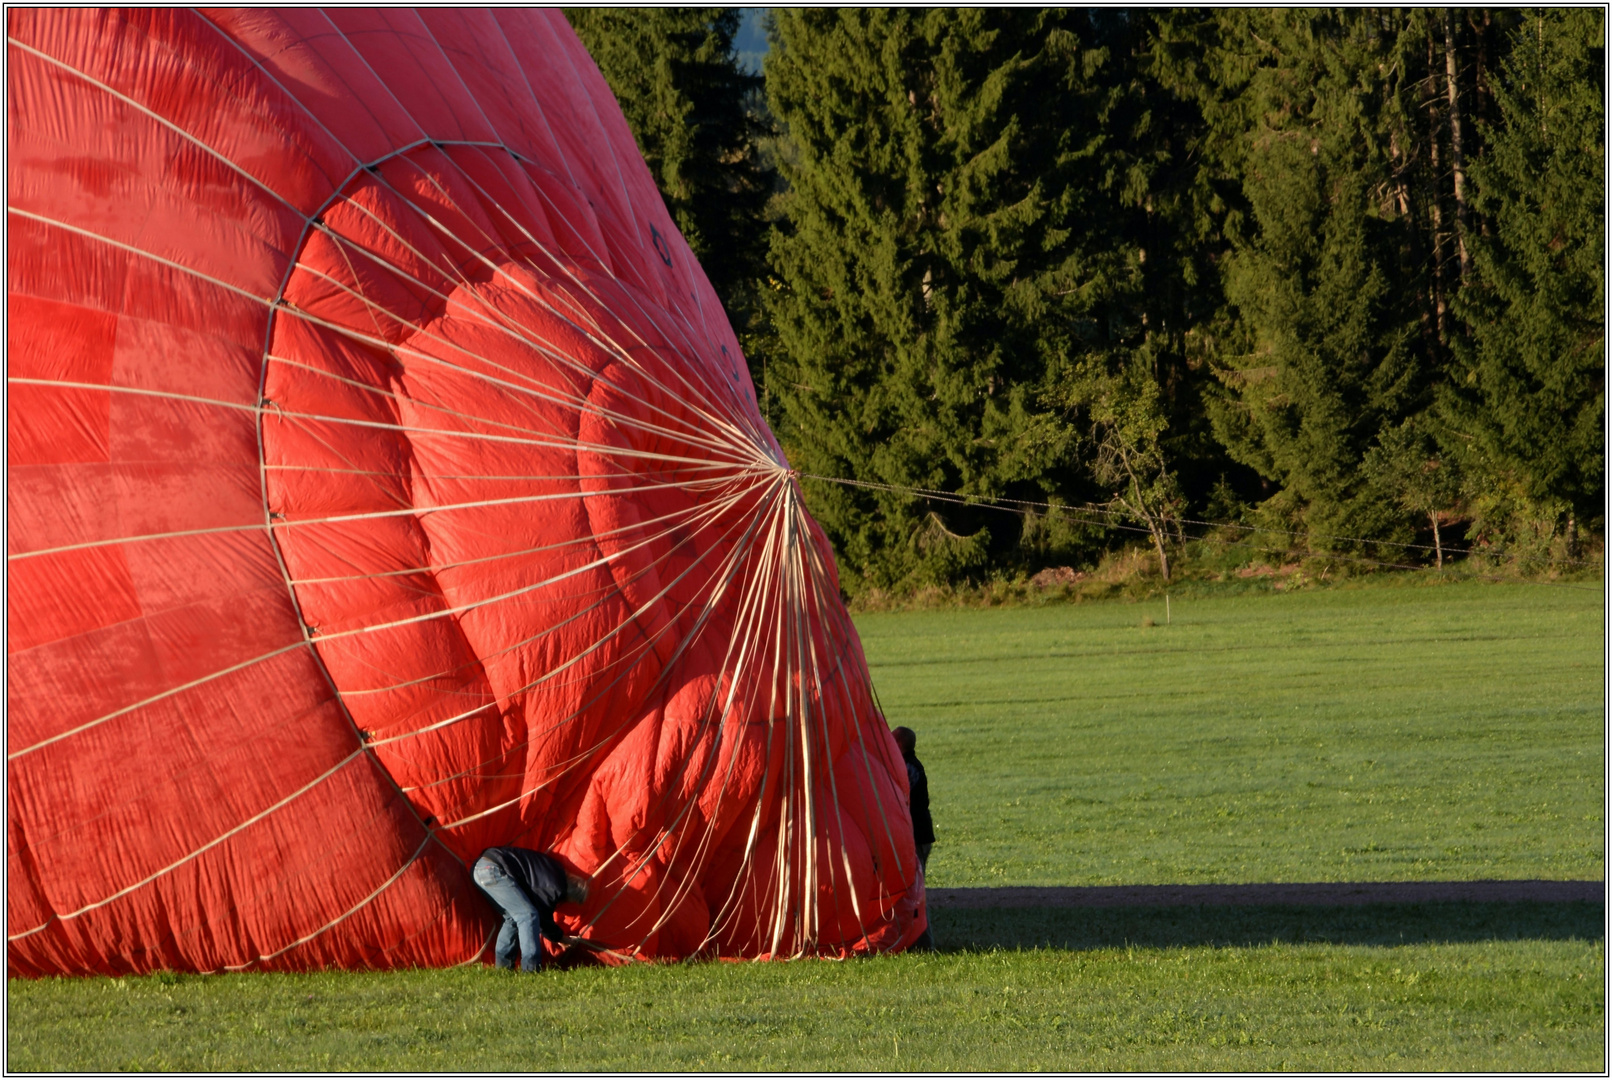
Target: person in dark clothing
526, 886
923, 828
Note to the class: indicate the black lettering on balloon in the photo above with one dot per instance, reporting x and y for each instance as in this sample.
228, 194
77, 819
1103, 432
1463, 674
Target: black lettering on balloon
662, 248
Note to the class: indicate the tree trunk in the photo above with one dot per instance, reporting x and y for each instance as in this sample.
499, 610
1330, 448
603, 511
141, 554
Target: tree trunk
1435, 205
1158, 542
1457, 161
1154, 522
1438, 545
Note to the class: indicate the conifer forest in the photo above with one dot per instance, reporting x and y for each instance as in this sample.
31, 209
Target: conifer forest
1330, 277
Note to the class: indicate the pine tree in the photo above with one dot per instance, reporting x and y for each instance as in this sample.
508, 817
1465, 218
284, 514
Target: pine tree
1528, 411
1327, 147
698, 121
946, 257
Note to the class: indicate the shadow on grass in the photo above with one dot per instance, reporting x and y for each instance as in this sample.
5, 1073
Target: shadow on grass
971, 929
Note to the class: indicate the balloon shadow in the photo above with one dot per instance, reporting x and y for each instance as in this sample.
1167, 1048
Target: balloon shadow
1166, 916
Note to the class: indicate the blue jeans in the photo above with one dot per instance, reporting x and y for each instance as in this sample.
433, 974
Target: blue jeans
520, 917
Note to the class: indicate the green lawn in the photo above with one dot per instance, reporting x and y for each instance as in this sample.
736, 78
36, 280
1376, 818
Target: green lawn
1343, 734
1363, 734
1534, 1005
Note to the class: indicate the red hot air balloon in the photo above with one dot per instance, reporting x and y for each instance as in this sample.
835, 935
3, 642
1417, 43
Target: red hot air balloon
386, 483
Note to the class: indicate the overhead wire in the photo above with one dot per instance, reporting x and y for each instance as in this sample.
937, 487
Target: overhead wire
1002, 502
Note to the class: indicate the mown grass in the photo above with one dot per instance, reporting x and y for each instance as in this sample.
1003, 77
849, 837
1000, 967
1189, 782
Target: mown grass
1369, 734
1360, 734
1514, 1005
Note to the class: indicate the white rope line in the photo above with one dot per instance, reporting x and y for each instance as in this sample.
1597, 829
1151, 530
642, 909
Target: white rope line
764, 599
503, 324
331, 519
709, 608
824, 612
604, 341
171, 126
795, 705
511, 477
575, 403
215, 153
15, 754
602, 449
307, 220
806, 927
424, 140
148, 879
437, 568
820, 578
777, 669
808, 572
665, 671
644, 654
689, 512
643, 650
708, 397
181, 689
344, 916
236, 289
780, 677
462, 608
793, 902
631, 660
606, 470
723, 712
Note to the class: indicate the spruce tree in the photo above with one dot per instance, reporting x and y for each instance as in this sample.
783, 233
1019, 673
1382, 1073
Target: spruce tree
949, 252
1326, 148
698, 120
1528, 409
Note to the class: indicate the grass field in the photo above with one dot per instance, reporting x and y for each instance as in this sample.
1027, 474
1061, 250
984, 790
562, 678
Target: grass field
1336, 735
1360, 734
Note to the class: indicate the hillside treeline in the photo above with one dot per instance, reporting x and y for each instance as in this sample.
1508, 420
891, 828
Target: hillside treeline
1334, 273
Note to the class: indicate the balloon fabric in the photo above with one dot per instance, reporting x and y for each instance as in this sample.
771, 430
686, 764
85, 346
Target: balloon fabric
386, 483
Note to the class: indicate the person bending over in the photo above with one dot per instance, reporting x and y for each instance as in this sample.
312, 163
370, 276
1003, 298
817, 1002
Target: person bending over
526, 886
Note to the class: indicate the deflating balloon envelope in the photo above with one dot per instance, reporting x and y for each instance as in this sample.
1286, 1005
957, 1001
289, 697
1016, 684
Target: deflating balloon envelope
386, 483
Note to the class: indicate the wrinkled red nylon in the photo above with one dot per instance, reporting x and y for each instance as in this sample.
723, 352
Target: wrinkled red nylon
385, 482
